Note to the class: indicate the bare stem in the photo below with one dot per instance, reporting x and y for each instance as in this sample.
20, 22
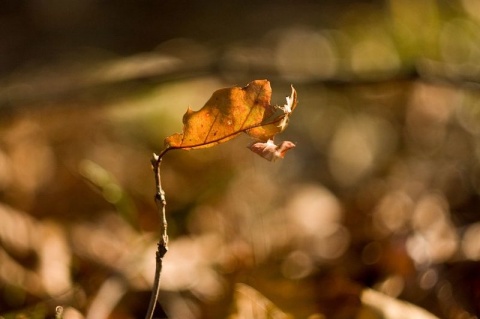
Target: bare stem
163, 243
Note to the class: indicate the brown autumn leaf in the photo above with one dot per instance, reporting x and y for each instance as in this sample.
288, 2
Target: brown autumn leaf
270, 151
231, 111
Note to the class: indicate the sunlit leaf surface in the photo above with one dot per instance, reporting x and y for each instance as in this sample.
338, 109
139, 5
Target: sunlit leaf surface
230, 112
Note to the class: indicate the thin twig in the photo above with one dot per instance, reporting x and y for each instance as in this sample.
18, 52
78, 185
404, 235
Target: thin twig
163, 243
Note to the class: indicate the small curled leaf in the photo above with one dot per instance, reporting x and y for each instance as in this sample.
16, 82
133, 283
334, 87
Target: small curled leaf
270, 151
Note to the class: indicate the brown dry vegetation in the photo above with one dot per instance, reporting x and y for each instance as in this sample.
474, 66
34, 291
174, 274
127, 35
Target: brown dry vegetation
380, 193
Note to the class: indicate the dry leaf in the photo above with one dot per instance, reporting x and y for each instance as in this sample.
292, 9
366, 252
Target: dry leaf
270, 151
250, 304
231, 111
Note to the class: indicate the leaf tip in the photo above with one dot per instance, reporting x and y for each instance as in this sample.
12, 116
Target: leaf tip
291, 101
187, 114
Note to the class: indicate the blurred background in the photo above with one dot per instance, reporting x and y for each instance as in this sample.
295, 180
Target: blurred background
381, 193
